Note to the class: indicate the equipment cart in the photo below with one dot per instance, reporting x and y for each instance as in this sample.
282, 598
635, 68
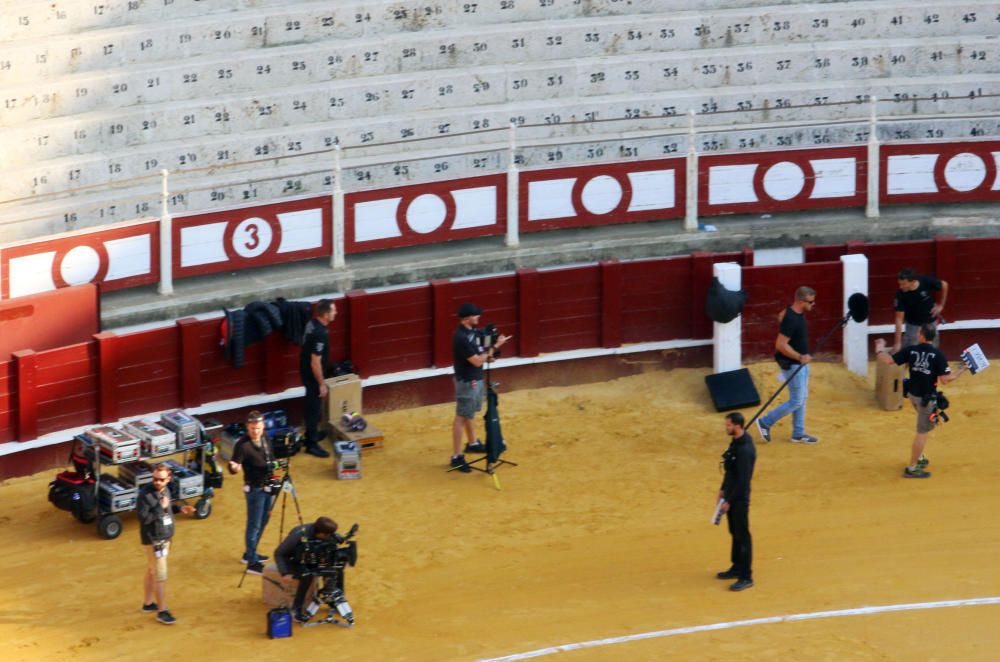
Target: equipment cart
135, 449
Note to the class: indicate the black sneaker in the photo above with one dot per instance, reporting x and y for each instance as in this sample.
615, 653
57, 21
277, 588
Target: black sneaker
741, 585
260, 557
917, 472
316, 451
301, 617
727, 574
166, 617
765, 432
320, 436
475, 447
151, 607
255, 568
459, 463
805, 439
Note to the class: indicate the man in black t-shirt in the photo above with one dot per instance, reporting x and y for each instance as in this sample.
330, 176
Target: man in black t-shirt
468, 358
738, 462
915, 306
253, 456
791, 351
312, 362
928, 366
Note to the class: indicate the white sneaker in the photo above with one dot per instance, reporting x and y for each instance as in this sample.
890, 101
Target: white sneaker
765, 432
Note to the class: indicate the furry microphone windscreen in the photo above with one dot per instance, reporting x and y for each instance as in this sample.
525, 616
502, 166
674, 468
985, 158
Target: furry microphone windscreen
857, 306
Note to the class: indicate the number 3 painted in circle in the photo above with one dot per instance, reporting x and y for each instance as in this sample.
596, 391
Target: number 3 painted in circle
252, 237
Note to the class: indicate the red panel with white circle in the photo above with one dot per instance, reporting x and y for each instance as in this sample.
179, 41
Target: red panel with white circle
940, 172
115, 257
601, 194
252, 237
782, 181
425, 214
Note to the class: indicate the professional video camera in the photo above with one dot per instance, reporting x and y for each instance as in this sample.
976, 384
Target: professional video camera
285, 444
938, 403
488, 336
326, 560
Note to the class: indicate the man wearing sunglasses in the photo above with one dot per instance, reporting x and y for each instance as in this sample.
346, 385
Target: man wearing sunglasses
791, 351
156, 509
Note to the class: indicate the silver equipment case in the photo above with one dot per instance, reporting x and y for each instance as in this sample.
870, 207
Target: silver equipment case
189, 483
115, 496
116, 445
155, 440
184, 425
136, 473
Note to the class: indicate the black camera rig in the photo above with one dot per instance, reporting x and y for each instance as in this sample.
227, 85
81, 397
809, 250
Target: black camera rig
325, 560
488, 336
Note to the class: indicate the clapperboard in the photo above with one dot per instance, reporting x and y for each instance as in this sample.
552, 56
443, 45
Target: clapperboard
974, 359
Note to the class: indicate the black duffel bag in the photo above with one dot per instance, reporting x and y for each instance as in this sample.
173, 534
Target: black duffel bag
74, 493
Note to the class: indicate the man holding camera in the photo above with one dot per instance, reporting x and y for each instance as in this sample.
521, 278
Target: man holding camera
915, 306
156, 509
254, 457
289, 553
312, 362
469, 356
927, 365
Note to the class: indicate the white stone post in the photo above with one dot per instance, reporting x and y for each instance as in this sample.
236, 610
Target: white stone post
166, 285
513, 238
337, 256
855, 270
872, 208
691, 188
727, 338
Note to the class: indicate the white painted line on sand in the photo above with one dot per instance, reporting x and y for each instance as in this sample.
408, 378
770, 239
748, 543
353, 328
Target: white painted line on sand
971, 602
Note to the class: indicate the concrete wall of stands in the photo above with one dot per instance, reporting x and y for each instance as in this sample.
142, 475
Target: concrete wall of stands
601, 305
128, 255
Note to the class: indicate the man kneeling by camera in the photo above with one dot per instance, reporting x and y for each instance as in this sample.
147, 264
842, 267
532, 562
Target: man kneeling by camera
290, 554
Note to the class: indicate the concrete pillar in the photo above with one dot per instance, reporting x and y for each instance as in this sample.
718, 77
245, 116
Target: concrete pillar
166, 285
691, 184
872, 208
513, 238
727, 338
855, 273
337, 257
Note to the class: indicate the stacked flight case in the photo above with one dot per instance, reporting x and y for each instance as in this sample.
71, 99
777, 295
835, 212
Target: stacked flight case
136, 449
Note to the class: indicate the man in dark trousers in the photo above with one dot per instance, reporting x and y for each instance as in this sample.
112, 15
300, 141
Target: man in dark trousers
915, 306
791, 350
254, 457
312, 362
156, 509
928, 366
287, 555
738, 461
468, 358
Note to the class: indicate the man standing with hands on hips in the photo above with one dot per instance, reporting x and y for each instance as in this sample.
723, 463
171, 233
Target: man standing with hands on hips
738, 462
155, 509
791, 351
253, 456
469, 357
312, 362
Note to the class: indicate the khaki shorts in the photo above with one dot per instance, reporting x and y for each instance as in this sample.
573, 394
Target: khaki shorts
924, 423
157, 565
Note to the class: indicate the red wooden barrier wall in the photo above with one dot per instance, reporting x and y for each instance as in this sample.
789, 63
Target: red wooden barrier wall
548, 310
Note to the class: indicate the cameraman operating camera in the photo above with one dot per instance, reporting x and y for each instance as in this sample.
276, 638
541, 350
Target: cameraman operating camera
469, 357
289, 553
927, 365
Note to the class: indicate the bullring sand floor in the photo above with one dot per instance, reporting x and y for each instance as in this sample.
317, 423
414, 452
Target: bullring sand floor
602, 531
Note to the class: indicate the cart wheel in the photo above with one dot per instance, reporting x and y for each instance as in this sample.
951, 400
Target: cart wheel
109, 527
203, 508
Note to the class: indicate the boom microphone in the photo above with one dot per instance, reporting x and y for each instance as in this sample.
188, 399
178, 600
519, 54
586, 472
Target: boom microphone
857, 306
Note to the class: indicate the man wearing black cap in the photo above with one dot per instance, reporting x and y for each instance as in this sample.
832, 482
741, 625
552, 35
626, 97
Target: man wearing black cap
469, 357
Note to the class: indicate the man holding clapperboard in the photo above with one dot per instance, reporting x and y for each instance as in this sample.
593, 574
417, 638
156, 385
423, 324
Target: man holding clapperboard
927, 366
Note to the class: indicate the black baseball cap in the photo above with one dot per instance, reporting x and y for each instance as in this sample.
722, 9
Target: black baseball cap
468, 310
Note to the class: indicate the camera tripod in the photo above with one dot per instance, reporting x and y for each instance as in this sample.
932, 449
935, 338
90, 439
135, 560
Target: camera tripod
494, 436
285, 486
